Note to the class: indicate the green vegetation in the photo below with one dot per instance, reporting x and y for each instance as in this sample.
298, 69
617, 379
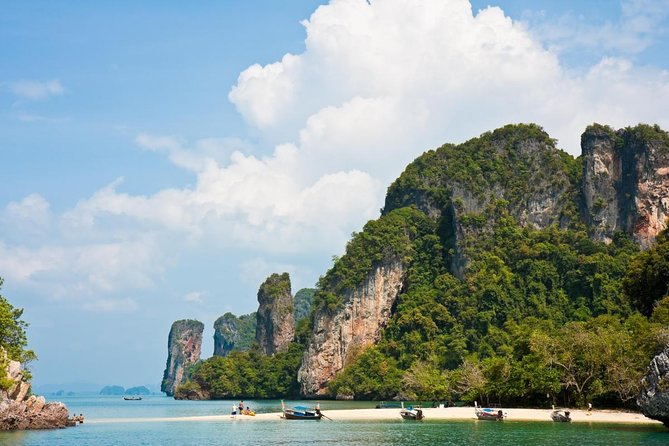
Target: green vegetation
248, 374
514, 159
13, 338
240, 332
276, 285
387, 239
647, 280
491, 308
539, 313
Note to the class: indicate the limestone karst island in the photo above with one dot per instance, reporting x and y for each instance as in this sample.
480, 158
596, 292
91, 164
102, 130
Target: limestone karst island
501, 270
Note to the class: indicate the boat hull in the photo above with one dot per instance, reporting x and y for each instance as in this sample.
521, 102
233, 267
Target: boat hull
489, 416
415, 415
560, 417
297, 415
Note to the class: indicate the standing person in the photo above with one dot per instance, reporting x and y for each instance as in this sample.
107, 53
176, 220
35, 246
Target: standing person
241, 407
589, 408
234, 411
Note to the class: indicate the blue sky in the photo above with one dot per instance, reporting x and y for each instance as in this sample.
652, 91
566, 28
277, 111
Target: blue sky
159, 160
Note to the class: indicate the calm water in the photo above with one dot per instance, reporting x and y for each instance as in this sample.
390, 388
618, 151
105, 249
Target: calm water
103, 428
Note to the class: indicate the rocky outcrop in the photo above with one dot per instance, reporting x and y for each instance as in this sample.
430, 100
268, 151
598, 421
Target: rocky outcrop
626, 182
517, 168
275, 327
184, 346
654, 397
338, 335
19, 411
234, 333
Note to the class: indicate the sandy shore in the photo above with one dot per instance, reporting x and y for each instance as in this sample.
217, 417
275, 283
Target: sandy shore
450, 413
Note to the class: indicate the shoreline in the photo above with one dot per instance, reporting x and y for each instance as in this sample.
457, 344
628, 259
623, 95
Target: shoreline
439, 414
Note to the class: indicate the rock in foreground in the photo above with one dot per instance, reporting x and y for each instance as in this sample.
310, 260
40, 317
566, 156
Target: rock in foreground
19, 411
654, 397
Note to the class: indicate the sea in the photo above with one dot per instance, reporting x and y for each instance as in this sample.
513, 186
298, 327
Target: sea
159, 420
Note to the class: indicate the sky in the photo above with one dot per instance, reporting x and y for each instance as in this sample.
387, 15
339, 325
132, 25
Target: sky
160, 159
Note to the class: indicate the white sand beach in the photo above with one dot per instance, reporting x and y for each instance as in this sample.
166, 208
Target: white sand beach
449, 413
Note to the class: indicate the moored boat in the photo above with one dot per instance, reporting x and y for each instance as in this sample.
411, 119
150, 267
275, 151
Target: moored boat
301, 413
132, 398
485, 413
560, 416
412, 413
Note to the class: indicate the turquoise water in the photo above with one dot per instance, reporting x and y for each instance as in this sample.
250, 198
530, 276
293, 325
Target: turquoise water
102, 428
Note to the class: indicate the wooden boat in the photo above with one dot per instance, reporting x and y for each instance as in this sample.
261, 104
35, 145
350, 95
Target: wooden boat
132, 398
412, 413
301, 413
560, 416
485, 413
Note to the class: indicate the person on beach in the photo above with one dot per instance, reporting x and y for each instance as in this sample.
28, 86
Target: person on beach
234, 411
241, 407
589, 408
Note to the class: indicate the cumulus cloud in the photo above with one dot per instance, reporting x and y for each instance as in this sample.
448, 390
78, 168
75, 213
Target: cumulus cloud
391, 79
377, 84
36, 90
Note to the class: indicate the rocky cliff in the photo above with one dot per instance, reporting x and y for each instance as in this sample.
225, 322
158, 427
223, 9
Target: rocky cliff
234, 333
516, 172
19, 410
654, 397
517, 169
338, 335
625, 182
184, 346
275, 327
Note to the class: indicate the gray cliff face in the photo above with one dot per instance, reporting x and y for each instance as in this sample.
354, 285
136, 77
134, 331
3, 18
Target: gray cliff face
184, 346
275, 327
654, 397
337, 336
234, 333
626, 182
18, 411
534, 187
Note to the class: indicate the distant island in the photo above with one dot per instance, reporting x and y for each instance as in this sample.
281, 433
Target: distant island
120, 390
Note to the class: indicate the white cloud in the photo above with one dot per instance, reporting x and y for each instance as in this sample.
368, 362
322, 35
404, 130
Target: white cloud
194, 297
377, 85
30, 214
36, 90
401, 77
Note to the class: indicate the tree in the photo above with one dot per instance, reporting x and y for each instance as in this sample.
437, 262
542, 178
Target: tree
13, 337
647, 280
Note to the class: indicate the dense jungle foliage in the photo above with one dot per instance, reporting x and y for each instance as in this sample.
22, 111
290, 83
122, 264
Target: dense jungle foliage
541, 318
536, 317
13, 338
